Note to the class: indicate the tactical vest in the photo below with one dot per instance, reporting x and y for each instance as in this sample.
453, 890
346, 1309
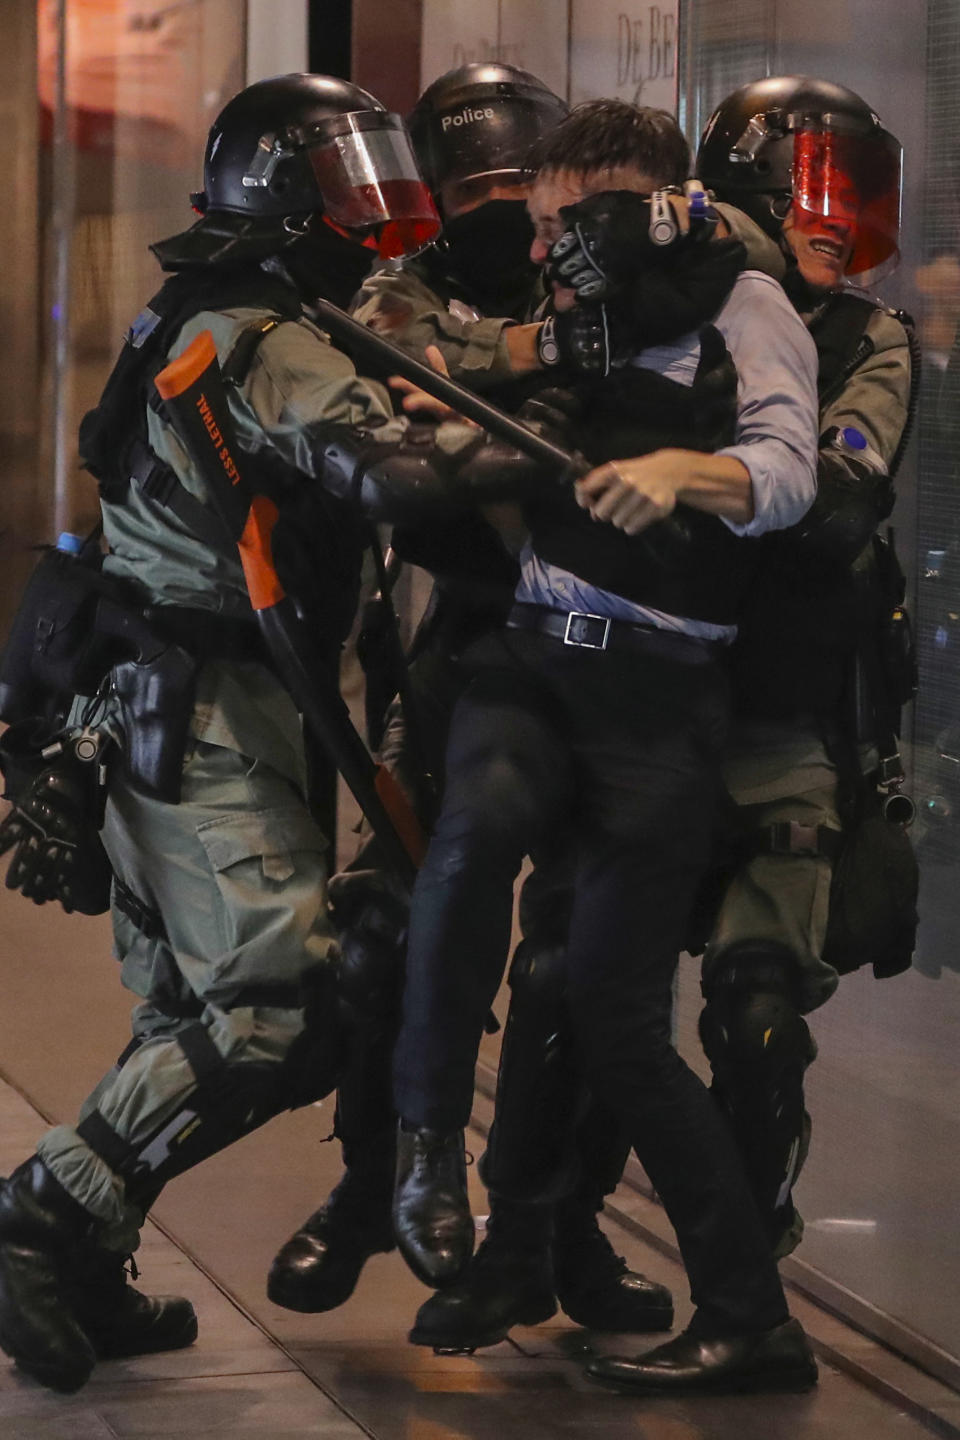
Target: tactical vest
689, 565
318, 541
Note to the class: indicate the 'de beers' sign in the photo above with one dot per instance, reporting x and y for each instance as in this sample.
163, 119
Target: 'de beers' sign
529, 33
583, 49
624, 49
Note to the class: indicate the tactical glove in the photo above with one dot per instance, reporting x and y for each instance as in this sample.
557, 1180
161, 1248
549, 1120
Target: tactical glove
610, 236
584, 340
555, 415
658, 282
52, 827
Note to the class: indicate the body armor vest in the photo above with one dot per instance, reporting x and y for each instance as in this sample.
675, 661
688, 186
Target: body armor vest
690, 565
319, 540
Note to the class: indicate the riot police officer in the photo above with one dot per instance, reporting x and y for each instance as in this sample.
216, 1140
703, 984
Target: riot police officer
219, 905
811, 163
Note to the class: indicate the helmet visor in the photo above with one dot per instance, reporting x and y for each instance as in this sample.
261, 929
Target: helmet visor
368, 176
856, 179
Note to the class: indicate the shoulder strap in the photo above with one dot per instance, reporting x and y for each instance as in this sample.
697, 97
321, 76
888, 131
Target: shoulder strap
127, 394
160, 482
236, 367
842, 344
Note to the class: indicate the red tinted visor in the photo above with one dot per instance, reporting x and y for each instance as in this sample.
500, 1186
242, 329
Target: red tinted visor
854, 178
368, 176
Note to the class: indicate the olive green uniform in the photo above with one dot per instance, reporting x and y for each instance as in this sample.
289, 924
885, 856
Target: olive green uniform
235, 871
400, 301
779, 770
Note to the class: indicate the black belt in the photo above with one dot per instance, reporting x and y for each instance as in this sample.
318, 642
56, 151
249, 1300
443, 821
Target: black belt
207, 635
598, 632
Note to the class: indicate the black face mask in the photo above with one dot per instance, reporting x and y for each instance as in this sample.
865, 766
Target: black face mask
325, 264
488, 251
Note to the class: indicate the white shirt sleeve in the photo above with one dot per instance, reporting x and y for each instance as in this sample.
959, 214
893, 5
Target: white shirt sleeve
777, 407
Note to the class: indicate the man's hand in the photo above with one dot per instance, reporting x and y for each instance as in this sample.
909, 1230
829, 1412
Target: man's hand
633, 494
630, 494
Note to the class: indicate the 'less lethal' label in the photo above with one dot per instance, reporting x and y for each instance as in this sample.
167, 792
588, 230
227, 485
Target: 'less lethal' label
213, 430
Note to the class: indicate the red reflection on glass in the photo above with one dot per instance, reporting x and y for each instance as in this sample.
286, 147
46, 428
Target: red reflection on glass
852, 178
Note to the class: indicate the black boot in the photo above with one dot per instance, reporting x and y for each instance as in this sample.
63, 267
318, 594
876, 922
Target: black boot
431, 1212
117, 1319
508, 1282
594, 1285
319, 1266
40, 1226
773, 1360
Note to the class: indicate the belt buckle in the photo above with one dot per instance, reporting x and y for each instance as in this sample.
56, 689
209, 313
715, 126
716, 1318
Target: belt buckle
587, 632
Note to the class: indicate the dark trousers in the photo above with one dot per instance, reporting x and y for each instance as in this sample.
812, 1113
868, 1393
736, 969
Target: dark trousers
625, 747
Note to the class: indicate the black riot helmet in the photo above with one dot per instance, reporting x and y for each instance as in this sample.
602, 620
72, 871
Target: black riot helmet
481, 120
298, 146
794, 140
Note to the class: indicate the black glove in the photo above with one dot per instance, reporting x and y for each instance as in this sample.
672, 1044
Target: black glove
554, 414
581, 340
666, 283
610, 236
52, 827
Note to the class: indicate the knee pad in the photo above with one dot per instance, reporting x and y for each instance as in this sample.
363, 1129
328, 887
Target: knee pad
761, 1031
538, 978
751, 1022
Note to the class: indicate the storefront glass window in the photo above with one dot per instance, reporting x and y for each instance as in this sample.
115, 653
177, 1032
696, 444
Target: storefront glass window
877, 1192
127, 90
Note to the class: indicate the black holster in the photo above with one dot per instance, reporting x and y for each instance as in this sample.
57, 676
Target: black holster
156, 704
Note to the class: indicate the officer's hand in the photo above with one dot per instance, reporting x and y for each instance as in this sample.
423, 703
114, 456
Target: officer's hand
653, 260
630, 494
609, 237
584, 340
420, 402
43, 830
553, 413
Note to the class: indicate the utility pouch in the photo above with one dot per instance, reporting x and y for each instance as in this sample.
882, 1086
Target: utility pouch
873, 895
75, 626
156, 696
54, 649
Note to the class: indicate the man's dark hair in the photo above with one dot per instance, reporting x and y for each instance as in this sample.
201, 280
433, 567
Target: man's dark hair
605, 134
